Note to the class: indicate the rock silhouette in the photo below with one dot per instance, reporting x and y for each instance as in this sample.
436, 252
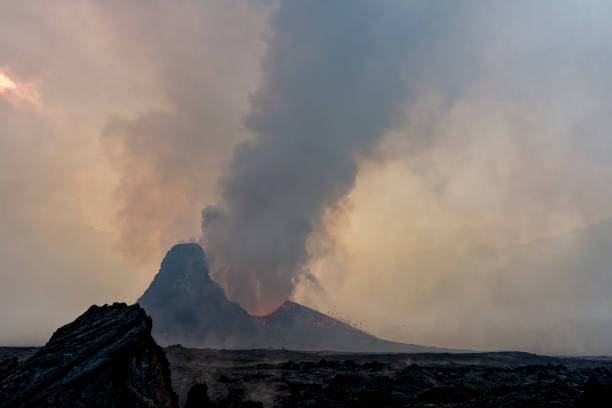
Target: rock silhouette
105, 358
189, 308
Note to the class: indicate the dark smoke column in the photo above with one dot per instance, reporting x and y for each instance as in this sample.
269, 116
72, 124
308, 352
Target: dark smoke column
331, 82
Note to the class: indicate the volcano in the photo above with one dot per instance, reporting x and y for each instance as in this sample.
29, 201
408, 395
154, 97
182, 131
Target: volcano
189, 308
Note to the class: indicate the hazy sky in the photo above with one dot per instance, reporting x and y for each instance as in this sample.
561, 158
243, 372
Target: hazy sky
397, 163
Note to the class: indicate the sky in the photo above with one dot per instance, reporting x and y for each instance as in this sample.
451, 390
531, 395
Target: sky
435, 172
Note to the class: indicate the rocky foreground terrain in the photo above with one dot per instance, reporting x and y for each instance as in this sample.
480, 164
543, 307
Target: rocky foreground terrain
279, 378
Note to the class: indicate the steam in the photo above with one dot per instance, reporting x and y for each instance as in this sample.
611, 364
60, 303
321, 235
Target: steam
331, 85
205, 62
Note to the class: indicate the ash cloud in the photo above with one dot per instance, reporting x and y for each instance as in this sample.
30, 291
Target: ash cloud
332, 80
517, 152
205, 59
510, 90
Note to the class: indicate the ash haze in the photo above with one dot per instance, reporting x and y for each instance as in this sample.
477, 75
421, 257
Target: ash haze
438, 171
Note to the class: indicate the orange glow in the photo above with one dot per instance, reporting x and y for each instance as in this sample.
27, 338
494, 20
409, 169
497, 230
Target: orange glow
6, 83
17, 93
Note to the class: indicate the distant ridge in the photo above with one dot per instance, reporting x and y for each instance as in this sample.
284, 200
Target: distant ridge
189, 308
298, 327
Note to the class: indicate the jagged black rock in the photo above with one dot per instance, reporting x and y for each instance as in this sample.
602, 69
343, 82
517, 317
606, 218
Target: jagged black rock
105, 358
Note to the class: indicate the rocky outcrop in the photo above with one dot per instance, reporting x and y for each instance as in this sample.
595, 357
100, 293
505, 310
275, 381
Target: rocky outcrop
105, 358
198, 397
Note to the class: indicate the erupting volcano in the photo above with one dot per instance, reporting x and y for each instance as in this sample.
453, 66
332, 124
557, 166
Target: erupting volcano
191, 309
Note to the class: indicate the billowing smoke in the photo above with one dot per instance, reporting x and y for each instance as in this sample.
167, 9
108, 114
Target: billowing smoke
332, 81
204, 57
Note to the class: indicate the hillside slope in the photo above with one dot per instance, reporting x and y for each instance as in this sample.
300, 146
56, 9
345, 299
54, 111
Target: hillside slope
189, 308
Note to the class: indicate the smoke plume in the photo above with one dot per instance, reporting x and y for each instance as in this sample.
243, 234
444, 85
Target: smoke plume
331, 85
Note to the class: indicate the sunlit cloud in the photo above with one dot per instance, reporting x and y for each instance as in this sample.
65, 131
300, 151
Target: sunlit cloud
18, 93
6, 83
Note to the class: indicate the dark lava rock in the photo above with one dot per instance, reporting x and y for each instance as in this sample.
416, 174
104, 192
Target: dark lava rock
198, 397
7, 365
595, 395
105, 358
283, 378
447, 394
250, 404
